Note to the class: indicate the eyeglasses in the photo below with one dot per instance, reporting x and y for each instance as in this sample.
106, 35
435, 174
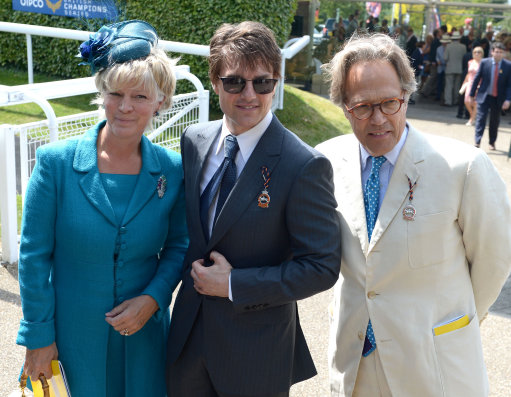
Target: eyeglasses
363, 111
234, 85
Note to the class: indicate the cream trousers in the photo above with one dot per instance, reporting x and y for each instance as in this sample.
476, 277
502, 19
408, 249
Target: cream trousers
371, 381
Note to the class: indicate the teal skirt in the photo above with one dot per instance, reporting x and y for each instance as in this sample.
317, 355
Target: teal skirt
116, 364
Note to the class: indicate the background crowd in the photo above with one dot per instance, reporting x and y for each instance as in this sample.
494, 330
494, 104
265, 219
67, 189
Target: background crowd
445, 61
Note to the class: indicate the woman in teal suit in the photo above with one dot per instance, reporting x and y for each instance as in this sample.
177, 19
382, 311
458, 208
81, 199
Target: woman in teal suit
104, 233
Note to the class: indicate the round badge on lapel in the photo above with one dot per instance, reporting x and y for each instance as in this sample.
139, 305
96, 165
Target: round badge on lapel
263, 200
409, 212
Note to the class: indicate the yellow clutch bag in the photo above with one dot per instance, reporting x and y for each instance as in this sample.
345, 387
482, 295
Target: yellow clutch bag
55, 387
22, 391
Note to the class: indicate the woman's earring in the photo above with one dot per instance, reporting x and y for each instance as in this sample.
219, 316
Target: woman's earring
156, 114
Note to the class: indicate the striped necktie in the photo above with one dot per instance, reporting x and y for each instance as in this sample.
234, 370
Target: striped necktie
222, 182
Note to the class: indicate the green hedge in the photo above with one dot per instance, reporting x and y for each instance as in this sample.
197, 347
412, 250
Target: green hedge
50, 56
189, 21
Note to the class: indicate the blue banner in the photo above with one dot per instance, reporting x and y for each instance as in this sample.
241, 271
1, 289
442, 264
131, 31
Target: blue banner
104, 9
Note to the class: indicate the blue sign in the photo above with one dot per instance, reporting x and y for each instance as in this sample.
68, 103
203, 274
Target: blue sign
104, 9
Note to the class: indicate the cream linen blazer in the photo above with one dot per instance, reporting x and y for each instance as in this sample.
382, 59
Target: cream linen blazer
451, 260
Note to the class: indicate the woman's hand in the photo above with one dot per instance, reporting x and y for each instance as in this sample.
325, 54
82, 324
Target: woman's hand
38, 361
131, 315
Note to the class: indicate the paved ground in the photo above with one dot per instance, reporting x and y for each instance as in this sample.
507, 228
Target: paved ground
496, 330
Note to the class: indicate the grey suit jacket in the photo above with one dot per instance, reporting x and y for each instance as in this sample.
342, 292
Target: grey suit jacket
279, 254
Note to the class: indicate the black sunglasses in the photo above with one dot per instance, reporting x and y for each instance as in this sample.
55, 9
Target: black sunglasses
234, 85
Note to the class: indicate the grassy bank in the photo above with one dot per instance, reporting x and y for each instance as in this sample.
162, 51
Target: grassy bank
313, 118
29, 112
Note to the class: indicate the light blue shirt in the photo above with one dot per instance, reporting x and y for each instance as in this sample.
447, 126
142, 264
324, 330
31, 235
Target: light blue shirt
386, 168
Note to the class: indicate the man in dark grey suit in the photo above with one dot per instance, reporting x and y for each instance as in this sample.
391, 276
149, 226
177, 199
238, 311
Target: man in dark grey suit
263, 233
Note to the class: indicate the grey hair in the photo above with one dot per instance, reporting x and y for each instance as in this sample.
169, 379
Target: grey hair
367, 48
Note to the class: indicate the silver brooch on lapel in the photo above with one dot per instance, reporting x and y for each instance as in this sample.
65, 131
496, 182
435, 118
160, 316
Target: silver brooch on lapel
263, 200
162, 186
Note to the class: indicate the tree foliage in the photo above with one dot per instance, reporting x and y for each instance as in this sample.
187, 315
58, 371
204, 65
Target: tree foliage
328, 9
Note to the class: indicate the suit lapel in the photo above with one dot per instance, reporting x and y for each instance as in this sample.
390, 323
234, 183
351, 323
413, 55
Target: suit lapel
250, 183
350, 199
146, 186
92, 188
85, 162
194, 168
487, 71
397, 191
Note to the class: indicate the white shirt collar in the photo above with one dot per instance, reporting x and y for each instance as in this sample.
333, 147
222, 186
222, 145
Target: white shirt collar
390, 156
248, 140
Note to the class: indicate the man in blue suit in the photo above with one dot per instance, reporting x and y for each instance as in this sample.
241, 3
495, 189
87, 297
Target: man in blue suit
494, 94
257, 246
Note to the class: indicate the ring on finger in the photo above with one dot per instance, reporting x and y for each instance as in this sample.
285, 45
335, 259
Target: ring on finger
125, 332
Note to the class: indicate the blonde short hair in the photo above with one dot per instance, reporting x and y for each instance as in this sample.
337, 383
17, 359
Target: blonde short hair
154, 73
368, 48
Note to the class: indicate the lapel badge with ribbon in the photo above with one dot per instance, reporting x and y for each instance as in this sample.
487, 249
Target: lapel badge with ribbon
263, 200
409, 211
162, 186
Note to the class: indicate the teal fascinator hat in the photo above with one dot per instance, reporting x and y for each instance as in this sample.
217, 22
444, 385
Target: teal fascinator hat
117, 43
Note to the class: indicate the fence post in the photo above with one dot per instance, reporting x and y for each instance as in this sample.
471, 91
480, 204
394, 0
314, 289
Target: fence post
280, 87
30, 64
8, 195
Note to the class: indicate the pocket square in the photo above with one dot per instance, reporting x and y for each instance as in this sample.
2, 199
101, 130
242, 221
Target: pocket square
451, 325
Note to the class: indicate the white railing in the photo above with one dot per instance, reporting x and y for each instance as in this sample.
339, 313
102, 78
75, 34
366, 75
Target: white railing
187, 109
40, 93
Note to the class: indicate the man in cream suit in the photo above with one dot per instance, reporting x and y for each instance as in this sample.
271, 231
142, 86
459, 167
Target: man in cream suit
440, 247
235, 329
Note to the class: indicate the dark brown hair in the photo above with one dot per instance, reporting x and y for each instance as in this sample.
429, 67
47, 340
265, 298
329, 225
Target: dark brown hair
248, 44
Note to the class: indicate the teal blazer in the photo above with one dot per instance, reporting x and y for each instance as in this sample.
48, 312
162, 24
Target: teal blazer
69, 277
